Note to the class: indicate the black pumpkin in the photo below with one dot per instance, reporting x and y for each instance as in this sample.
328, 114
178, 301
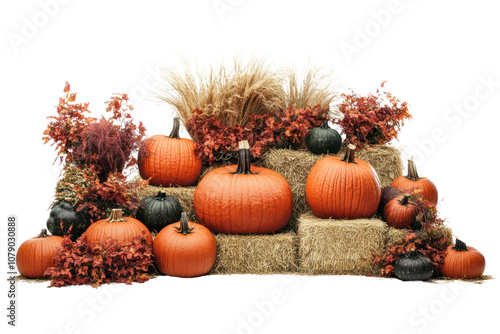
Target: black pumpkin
73, 223
388, 193
323, 140
160, 210
413, 266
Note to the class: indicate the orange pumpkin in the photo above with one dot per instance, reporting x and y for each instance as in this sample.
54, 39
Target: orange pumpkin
185, 249
400, 212
343, 188
121, 228
243, 198
462, 261
169, 161
36, 254
413, 183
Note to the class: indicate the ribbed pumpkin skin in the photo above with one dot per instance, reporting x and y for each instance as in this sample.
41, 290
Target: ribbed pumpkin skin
187, 255
35, 255
243, 203
169, 162
426, 187
121, 231
157, 213
463, 264
398, 215
342, 190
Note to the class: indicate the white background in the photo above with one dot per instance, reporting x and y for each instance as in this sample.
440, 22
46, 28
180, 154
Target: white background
435, 55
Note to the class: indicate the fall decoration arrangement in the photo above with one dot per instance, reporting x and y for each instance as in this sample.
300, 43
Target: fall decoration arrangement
266, 186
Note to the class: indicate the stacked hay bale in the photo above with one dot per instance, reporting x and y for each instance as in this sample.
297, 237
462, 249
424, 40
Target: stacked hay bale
339, 247
255, 254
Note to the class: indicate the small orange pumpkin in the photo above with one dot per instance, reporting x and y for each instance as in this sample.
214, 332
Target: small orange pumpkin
36, 254
462, 261
121, 228
169, 161
243, 198
185, 249
400, 212
343, 188
413, 183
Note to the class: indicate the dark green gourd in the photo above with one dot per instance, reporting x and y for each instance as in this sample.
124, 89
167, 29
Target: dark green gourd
160, 210
64, 220
413, 266
323, 140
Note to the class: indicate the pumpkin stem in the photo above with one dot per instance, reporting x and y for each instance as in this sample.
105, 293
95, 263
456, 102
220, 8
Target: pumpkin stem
405, 200
244, 159
160, 196
324, 125
349, 154
412, 171
184, 229
43, 234
175, 129
460, 245
116, 216
413, 253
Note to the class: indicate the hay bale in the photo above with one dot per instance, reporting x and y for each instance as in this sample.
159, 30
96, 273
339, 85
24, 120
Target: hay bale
184, 195
339, 247
255, 254
394, 235
296, 165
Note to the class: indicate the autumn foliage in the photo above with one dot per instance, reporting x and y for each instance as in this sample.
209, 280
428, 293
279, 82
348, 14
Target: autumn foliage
372, 119
79, 263
432, 246
217, 141
94, 153
106, 144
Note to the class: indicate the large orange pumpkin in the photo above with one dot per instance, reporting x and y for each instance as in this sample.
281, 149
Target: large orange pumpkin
413, 183
185, 249
243, 198
343, 188
169, 161
462, 261
121, 228
36, 254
